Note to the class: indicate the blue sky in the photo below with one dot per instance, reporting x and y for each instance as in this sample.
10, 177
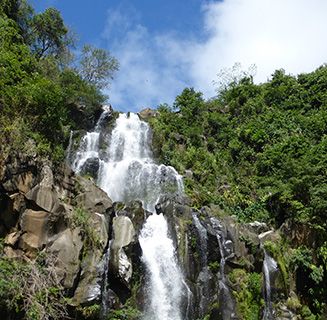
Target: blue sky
166, 45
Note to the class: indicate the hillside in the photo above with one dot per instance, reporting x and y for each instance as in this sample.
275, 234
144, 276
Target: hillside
202, 210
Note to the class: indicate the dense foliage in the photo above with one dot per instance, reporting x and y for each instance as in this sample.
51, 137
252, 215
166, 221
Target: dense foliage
258, 152
44, 91
31, 288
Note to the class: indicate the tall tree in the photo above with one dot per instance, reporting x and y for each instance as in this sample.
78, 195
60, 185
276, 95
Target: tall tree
97, 66
20, 12
51, 34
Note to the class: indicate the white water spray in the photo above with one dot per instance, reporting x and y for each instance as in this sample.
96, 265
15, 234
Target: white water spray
128, 174
165, 278
269, 267
131, 174
89, 147
226, 299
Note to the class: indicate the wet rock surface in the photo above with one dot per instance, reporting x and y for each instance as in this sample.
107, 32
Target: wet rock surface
38, 214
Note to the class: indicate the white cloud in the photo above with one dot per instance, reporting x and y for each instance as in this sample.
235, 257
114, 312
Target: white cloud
272, 34
150, 70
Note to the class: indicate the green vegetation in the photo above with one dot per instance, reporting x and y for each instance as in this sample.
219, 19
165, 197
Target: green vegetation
91, 312
31, 288
281, 252
257, 152
247, 294
126, 313
310, 276
81, 218
44, 91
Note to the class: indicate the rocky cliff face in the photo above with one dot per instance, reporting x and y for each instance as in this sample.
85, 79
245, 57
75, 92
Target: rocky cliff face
53, 211
98, 258
205, 243
38, 208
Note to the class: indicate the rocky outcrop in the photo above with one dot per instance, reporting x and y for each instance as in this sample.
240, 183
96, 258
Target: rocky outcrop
147, 113
67, 248
42, 210
90, 197
201, 245
125, 267
91, 167
123, 235
93, 266
67, 217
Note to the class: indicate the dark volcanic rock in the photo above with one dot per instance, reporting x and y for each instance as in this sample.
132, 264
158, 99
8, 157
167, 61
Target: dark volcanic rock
91, 167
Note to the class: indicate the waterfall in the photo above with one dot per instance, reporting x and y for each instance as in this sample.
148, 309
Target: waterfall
105, 289
203, 289
89, 146
69, 148
165, 278
129, 173
228, 312
269, 267
89, 149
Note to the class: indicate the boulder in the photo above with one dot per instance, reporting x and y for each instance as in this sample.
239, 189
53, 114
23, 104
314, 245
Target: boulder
123, 235
90, 197
88, 289
257, 227
67, 247
91, 167
133, 210
147, 113
35, 228
19, 173
12, 238
270, 235
93, 265
11, 207
44, 197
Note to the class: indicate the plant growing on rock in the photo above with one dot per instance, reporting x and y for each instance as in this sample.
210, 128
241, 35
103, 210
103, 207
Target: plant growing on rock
32, 288
81, 218
247, 292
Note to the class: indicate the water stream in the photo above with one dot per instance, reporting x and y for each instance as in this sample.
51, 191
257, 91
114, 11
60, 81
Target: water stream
225, 248
129, 173
105, 286
269, 267
165, 278
89, 146
203, 288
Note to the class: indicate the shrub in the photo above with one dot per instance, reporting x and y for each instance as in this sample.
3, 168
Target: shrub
32, 288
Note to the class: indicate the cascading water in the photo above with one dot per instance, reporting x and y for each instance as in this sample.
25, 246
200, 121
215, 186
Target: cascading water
228, 312
69, 148
165, 278
204, 274
129, 173
89, 147
269, 267
104, 300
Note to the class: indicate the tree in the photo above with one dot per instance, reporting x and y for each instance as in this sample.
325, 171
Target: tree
231, 77
189, 102
97, 66
51, 34
20, 12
